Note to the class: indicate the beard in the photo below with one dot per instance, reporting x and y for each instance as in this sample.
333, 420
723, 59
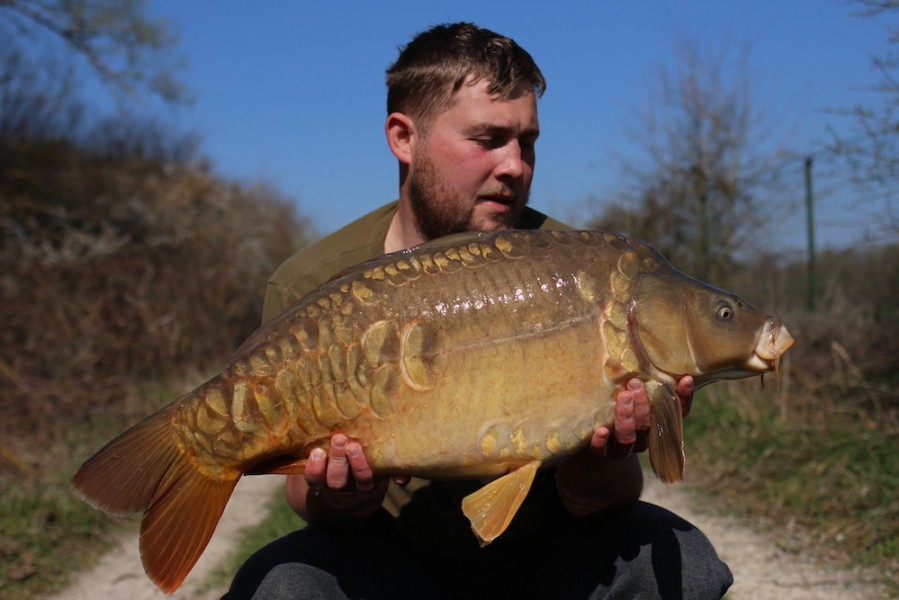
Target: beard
441, 210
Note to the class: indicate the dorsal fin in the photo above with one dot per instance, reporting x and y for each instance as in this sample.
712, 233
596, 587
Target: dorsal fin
461, 238
259, 335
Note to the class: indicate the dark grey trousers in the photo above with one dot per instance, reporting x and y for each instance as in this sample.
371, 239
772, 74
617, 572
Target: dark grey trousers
641, 552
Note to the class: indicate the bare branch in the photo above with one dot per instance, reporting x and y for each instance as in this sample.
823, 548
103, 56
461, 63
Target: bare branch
708, 160
124, 48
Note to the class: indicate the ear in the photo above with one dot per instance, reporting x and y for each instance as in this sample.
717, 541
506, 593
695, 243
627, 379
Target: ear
401, 135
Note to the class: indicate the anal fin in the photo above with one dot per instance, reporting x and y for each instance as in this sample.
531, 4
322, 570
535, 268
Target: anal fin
279, 466
666, 436
491, 508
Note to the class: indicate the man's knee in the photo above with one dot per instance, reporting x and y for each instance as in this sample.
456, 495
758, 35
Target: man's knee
704, 574
295, 581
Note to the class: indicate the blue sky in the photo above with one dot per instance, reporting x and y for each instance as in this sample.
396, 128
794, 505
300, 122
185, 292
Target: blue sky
292, 93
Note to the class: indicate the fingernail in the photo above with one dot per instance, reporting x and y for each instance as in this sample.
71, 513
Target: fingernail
634, 384
353, 450
317, 454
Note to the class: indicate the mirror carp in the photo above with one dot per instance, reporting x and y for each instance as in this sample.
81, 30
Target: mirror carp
480, 355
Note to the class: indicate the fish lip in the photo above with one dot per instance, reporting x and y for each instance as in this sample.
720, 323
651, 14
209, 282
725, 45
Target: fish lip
774, 341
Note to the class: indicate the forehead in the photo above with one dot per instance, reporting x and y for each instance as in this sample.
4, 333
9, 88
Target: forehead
473, 103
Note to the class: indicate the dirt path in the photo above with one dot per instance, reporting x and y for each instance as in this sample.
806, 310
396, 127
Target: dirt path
119, 575
762, 570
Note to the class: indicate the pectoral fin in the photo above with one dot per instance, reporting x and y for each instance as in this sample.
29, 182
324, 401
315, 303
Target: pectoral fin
666, 437
491, 508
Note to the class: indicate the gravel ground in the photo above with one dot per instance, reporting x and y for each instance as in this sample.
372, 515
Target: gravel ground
762, 570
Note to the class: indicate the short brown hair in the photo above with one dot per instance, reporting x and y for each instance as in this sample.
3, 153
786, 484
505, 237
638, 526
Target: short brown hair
437, 62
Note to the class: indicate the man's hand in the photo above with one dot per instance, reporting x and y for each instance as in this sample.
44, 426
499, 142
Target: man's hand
632, 420
597, 479
345, 470
338, 489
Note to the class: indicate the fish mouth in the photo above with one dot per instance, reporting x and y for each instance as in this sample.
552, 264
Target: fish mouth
773, 342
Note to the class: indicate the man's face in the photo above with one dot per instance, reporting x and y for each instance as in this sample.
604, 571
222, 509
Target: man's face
473, 167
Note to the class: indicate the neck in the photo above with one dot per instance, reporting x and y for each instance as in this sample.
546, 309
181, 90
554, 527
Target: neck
402, 233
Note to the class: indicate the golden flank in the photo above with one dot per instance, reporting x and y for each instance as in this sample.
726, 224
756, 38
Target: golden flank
515, 343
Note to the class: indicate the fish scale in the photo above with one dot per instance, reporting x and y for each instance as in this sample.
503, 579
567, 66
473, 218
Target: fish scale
482, 355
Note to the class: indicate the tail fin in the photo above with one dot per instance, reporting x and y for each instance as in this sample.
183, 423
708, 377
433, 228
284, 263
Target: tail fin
666, 437
179, 523
144, 470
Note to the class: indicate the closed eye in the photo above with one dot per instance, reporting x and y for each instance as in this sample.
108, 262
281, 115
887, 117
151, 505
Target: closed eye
490, 142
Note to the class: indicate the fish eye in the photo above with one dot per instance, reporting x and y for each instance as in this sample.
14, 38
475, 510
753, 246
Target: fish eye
724, 310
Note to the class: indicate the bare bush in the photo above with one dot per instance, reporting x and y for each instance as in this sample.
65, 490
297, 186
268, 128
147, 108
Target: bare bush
699, 188
847, 350
114, 272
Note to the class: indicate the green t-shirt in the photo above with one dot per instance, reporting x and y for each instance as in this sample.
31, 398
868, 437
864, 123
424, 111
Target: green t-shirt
427, 513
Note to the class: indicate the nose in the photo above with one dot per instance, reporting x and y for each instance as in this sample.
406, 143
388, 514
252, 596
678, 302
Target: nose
512, 163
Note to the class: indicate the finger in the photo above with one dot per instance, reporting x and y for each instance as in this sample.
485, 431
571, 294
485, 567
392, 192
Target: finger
359, 467
315, 469
599, 442
402, 480
641, 404
685, 389
338, 472
625, 421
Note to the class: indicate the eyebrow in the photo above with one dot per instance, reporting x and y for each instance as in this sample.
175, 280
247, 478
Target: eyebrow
491, 128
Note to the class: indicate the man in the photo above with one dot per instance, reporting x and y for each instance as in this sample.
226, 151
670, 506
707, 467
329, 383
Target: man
462, 123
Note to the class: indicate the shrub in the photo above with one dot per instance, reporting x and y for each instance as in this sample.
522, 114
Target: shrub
115, 271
